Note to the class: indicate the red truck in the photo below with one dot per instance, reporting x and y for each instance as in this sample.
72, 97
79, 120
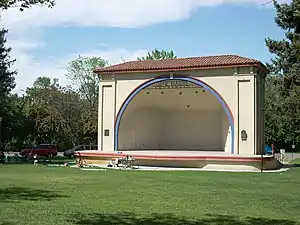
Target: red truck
46, 150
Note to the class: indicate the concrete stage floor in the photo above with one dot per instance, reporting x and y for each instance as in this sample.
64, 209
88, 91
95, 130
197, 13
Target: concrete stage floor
215, 160
174, 152
166, 153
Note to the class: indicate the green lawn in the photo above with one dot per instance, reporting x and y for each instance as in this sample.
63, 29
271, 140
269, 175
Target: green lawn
43, 195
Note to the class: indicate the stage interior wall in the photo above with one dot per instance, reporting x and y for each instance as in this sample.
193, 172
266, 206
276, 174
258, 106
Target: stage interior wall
174, 119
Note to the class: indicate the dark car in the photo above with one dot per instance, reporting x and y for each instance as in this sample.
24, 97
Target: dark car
70, 152
46, 150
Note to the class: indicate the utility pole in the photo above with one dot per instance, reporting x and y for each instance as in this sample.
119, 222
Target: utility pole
294, 145
293, 149
52, 130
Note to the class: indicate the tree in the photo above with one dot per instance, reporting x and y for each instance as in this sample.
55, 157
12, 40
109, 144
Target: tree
273, 99
57, 112
16, 124
7, 83
286, 65
159, 54
287, 52
24, 4
80, 71
47, 113
7, 80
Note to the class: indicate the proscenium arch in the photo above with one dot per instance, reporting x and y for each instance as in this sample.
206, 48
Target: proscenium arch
181, 78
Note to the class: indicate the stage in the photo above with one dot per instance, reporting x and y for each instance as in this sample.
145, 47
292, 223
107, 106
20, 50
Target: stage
184, 159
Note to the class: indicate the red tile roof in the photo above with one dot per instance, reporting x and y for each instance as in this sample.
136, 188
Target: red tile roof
181, 64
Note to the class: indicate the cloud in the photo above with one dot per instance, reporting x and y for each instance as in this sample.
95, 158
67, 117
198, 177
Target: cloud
110, 13
26, 28
30, 67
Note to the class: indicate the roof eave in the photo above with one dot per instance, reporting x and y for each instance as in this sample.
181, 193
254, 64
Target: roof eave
103, 71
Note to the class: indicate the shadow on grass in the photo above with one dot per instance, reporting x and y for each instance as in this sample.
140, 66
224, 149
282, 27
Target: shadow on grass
169, 219
27, 194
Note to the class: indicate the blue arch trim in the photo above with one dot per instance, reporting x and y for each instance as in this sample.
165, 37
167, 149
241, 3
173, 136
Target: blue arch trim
182, 78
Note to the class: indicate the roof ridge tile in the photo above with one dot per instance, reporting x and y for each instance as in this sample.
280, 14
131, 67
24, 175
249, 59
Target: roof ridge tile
188, 63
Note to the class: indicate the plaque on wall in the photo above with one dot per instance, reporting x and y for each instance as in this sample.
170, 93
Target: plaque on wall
244, 135
106, 132
173, 84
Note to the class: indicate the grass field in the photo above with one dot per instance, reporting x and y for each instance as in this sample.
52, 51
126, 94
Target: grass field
43, 195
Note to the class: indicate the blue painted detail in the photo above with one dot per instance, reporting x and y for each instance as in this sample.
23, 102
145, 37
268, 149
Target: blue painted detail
182, 78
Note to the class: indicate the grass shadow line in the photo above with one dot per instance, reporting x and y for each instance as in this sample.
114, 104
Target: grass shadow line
170, 219
27, 194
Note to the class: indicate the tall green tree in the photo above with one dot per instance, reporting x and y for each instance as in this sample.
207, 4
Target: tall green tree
24, 4
286, 64
80, 71
7, 80
57, 112
273, 110
159, 54
17, 126
38, 109
7, 83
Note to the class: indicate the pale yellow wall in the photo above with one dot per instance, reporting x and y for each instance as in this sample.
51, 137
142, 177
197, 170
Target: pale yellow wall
141, 129
106, 115
262, 97
194, 130
226, 81
153, 129
160, 119
245, 115
225, 85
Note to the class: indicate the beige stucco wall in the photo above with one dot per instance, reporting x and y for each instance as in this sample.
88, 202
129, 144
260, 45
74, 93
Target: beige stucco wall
237, 86
154, 129
106, 115
174, 119
141, 129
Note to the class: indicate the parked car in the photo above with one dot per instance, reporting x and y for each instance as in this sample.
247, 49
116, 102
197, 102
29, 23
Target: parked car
46, 150
70, 152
